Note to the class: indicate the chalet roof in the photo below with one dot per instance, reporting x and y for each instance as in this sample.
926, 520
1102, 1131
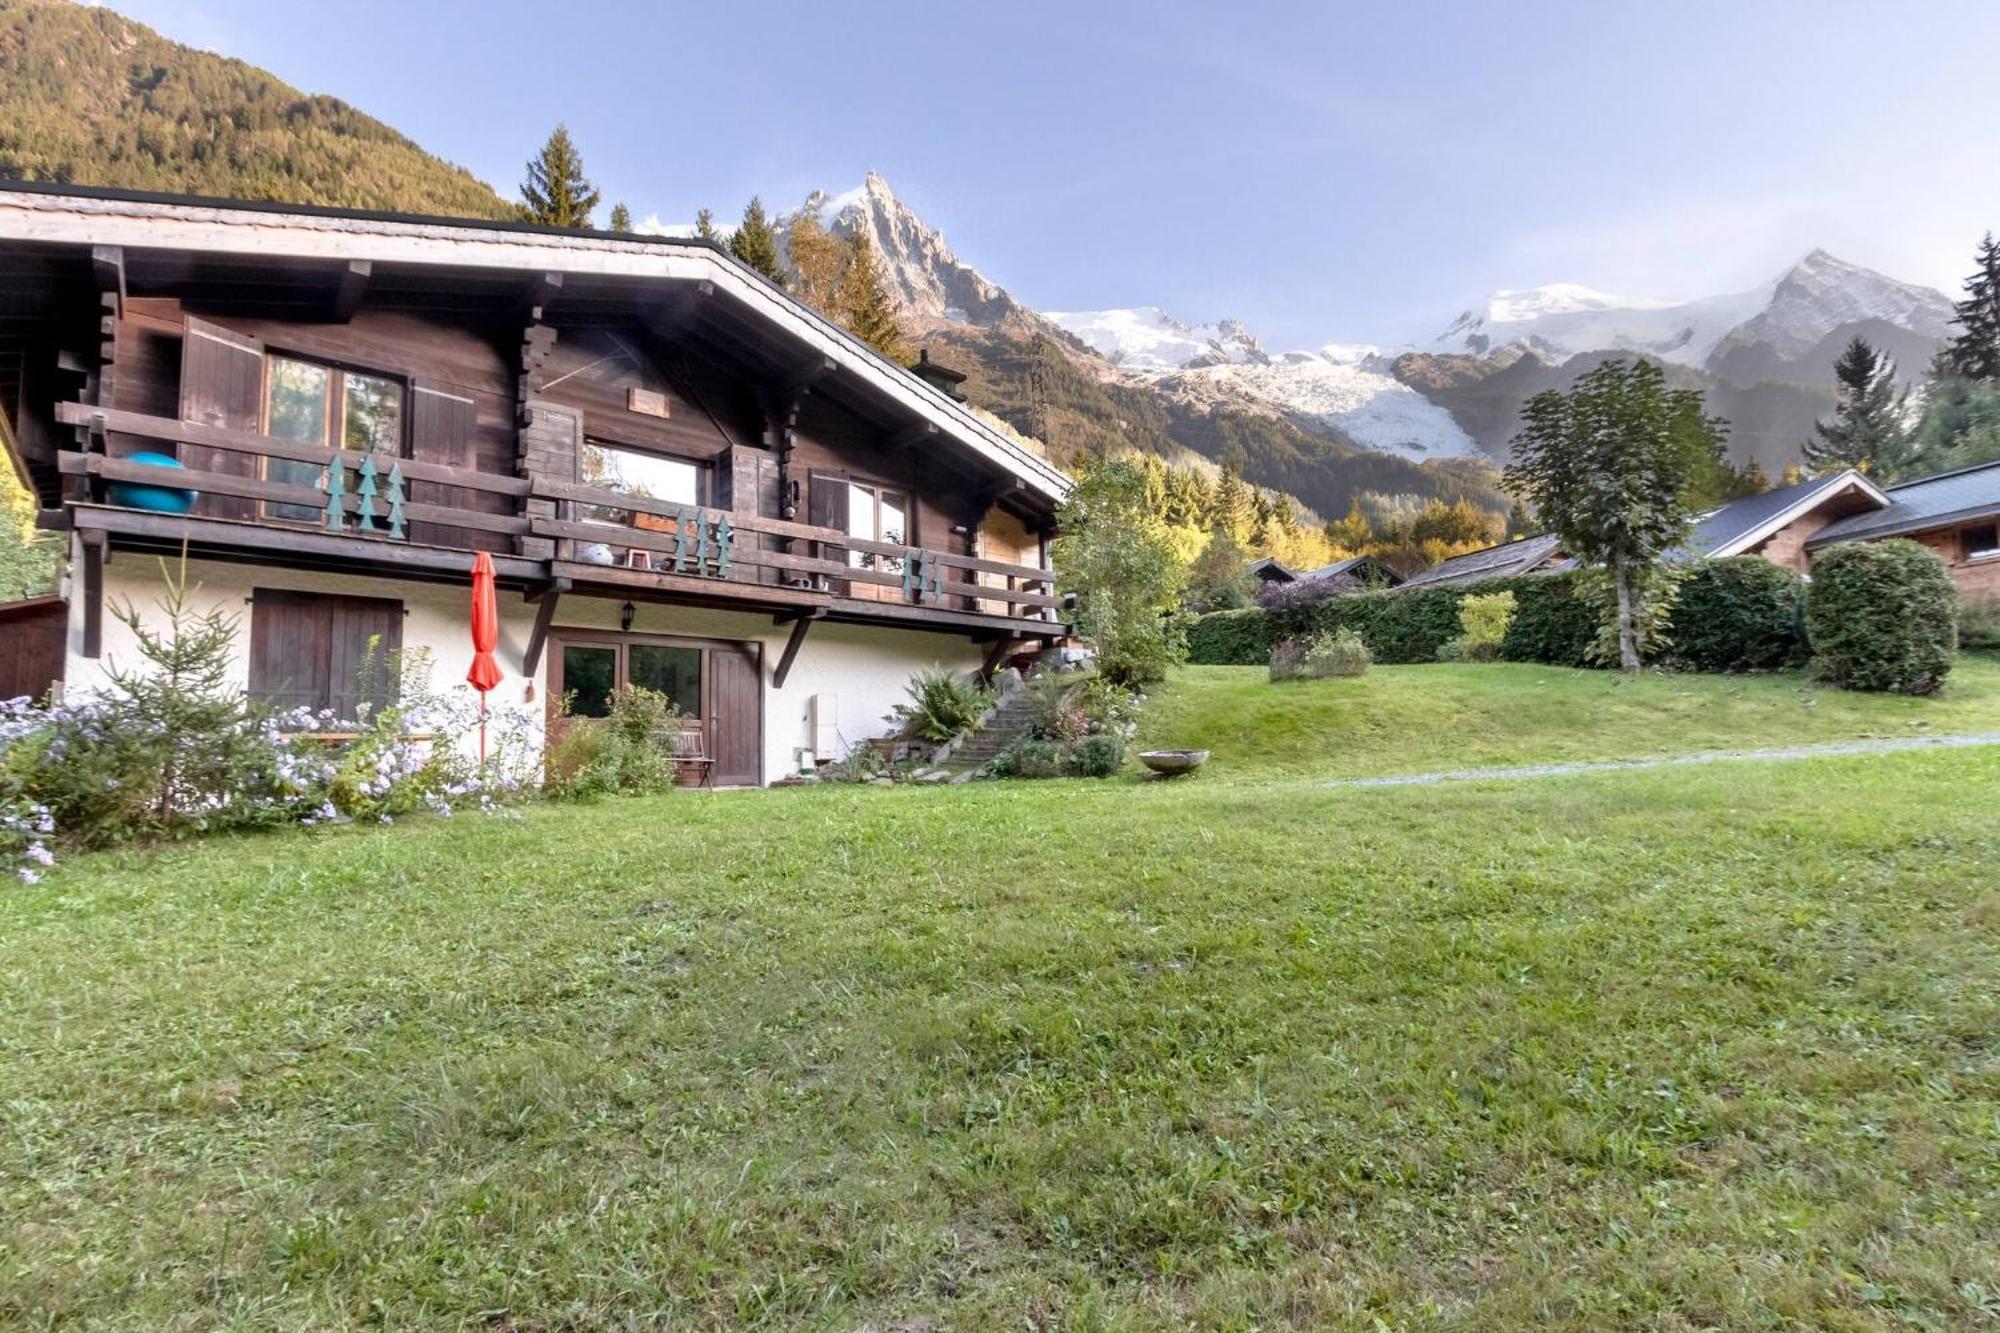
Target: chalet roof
1948, 498
1736, 527
37, 212
1494, 562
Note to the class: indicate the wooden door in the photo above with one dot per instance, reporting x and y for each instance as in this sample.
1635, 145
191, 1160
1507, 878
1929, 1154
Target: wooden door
735, 674
222, 384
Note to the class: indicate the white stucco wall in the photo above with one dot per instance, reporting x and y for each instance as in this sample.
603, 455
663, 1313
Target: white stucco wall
863, 667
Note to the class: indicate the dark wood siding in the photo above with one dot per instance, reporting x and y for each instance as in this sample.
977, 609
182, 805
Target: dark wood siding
222, 384
444, 428
31, 647
311, 650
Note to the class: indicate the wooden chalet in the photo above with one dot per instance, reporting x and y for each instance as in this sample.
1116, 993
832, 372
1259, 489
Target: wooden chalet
686, 478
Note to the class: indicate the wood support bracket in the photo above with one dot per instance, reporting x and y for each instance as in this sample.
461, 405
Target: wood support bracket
93, 545
352, 287
801, 622
1001, 650
912, 436
547, 595
812, 372
539, 295
108, 262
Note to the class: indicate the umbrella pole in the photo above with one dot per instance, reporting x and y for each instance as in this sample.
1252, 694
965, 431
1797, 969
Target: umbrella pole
482, 728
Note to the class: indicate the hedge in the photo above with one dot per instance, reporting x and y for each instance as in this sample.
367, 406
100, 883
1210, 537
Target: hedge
1406, 625
1882, 616
1742, 613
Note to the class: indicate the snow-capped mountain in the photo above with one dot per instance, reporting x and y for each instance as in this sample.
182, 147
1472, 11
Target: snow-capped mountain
1820, 294
933, 286
1332, 387
1148, 339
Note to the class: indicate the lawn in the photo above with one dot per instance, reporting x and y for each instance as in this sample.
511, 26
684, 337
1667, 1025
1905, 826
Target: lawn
1414, 719
1669, 1049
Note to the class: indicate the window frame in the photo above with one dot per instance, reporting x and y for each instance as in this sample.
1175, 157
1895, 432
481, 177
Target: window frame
333, 419
704, 467
621, 675
1980, 553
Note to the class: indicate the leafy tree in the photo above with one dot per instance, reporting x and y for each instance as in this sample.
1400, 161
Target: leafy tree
867, 307
1960, 428
1352, 534
1867, 425
1974, 351
621, 218
704, 225
819, 261
756, 244
1220, 578
556, 192
30, 561
1115, 557
1609, 465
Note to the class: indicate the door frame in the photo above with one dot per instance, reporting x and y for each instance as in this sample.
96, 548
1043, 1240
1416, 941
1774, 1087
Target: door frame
560, 637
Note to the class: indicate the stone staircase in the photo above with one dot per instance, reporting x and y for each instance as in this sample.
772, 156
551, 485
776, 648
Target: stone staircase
1010, 717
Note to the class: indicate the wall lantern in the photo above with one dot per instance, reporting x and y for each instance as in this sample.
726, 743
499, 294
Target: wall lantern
625, 614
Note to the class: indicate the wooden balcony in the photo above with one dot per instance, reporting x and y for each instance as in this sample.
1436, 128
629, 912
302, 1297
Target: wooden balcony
358, 515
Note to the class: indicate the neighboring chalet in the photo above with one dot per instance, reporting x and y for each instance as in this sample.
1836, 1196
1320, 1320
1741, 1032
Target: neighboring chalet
1956, 514
686, 479
1355, 572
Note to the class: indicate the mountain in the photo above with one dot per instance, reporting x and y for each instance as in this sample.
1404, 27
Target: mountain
91, 98
1563, 320
1148, 339
1822, 300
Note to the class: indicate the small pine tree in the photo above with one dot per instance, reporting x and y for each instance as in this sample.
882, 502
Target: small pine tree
556, 193
756, 244
704, 225
1754, 479
865, 305
1231, 503
1867, 422
621, 218
1974, 351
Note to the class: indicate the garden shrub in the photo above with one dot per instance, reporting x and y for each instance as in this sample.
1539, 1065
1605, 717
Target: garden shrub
1979, 625
623, 752
1339, 653
1551, 623
1882, 616
1230, 638
1097, 756
942, 706
1058, 710
1741, 613
1484, 618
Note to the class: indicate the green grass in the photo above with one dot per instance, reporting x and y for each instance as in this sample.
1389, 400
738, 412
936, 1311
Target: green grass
1688, 1049
1421, 718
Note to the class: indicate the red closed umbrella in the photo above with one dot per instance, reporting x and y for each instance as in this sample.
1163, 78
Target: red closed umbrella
485, 672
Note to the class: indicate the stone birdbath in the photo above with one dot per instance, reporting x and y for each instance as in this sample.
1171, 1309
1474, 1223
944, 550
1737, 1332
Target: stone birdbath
1173, 763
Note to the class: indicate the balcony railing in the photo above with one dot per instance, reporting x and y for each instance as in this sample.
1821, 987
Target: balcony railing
686, 548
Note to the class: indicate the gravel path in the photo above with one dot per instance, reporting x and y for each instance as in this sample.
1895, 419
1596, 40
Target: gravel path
1824, 750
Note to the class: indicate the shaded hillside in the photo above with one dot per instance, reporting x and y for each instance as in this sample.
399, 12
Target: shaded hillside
88, 97
1036, 385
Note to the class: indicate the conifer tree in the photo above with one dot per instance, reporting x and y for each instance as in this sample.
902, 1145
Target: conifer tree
1353, 533
1867, 424
1230, 503
704, 225
756, 244
621, 217
1974, 351
866, 307
556, 193
1753, 477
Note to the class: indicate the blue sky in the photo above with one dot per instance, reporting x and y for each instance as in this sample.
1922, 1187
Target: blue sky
1323, 171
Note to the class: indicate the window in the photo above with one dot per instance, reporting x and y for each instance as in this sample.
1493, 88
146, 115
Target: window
310, 403
312, 650
592, 672
1982, 542
639, 473
877, 514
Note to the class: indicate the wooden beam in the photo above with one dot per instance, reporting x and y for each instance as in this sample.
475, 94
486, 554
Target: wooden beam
108, 262
1001, 650
540, 294
798, 637
93, 544
352, 287
911, 436
804, 377
548, 595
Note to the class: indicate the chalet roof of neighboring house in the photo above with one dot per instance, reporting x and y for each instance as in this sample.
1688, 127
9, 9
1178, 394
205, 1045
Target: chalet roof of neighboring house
1272, 570
1949, 498
1494, 562
1742, 524
59, 214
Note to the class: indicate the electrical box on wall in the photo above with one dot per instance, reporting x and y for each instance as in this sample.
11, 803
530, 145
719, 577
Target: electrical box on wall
823, 717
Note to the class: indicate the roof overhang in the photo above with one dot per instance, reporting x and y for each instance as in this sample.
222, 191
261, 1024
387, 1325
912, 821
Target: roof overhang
1842, 483
77, 217
1928, 523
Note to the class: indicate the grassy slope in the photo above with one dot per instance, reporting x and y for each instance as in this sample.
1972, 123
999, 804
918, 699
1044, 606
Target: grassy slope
1413, 719
1067, 1054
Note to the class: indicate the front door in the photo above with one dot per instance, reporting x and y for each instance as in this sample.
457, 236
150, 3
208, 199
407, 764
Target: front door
718, 685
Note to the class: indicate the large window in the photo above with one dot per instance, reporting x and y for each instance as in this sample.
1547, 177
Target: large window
307, 402
592, 671
638, 472
313, 650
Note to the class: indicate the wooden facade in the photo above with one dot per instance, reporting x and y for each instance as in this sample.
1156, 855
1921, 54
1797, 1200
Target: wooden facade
509, 387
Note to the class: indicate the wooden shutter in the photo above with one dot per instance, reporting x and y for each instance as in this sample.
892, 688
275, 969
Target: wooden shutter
222, 384
288, 654
363, 635
444, 429
735, 708
826, 507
